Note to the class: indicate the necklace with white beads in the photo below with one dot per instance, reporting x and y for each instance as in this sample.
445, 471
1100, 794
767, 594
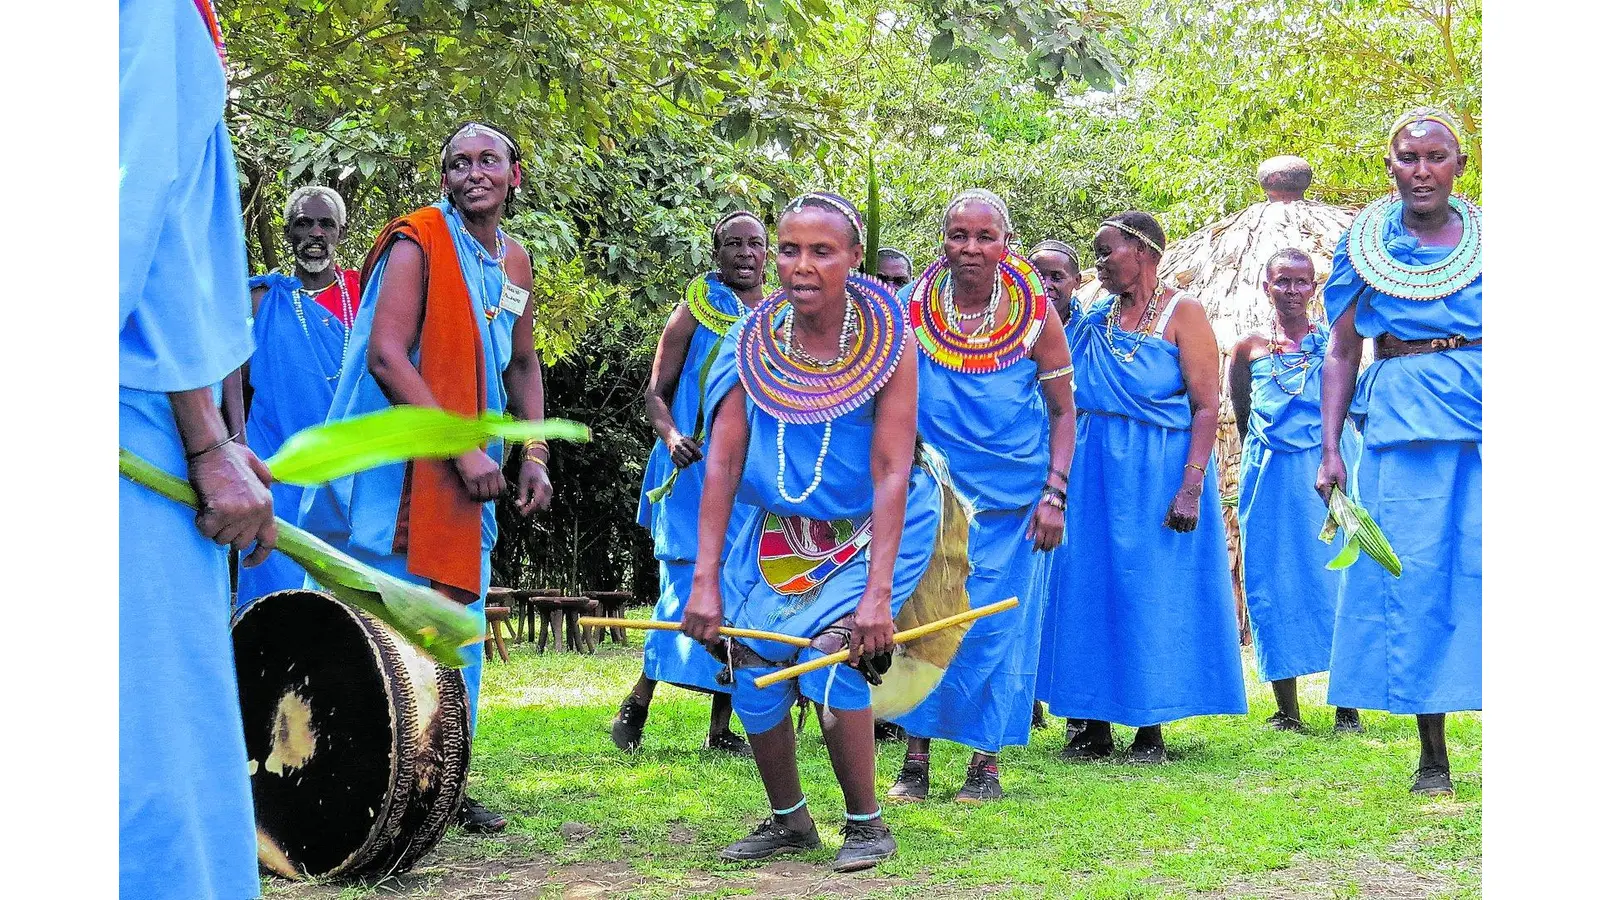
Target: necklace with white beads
816, 470
345, 306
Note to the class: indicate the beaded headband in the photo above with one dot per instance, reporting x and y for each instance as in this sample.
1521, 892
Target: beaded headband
1134, 232
989, 197
897, 253
1421, 115
1057, 246
725, 221
302, 194
471, 129
838, 203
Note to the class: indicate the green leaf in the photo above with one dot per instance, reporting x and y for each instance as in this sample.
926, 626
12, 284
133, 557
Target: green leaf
325, 452
874, 214
1346, 557
436, 624
939, 49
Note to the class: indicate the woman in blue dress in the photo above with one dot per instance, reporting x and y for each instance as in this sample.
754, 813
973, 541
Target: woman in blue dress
1148, 601
993, 376
1409, 275
814, 425
688, 346
444, 325
1276, 385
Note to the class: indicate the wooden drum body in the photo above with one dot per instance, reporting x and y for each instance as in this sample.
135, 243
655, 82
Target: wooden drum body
358, 744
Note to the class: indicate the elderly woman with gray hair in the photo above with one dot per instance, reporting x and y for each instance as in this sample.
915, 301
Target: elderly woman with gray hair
302, 328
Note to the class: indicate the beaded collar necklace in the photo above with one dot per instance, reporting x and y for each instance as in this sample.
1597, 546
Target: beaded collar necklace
345, 306
994, 346
793, 387
1369, 255
1146, 324
1302, 364
697, 296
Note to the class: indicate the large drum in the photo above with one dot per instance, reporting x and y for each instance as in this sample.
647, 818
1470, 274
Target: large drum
357, 742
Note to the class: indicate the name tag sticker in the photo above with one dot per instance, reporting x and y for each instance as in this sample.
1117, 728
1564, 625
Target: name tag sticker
513, 299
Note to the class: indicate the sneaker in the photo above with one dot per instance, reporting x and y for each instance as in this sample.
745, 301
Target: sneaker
865, 845
1347, 721
1280, 722
772, 838
1148, 754
1082, 748
983, 784
730, 742
475, 818
628, 726
888, 733
912, 785
1433, 781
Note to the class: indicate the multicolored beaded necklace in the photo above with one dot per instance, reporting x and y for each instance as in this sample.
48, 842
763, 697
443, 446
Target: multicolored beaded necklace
697, 296
1278, 354
1371, 260
936, 322
1146, 324
784, 382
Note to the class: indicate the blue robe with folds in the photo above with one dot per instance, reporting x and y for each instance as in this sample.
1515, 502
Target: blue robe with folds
1287, 585
845, 492
988, 426
674, 521
1144, 628
292, 375
357, 513
186, 826
1414, 644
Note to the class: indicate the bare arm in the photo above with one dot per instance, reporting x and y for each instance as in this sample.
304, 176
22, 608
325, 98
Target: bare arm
1051, 353
235, 504
1198, 359
524, 381
702, 616
665, 373
235, 403
1239, 381
1338, 387
396, 327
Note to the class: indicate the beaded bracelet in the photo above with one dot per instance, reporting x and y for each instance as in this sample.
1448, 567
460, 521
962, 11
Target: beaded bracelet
199, 453
1055, 373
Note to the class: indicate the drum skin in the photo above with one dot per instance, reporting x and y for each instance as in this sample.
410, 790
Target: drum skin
357, 743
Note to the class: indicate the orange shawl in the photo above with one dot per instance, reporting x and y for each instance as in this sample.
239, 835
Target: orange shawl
439, 527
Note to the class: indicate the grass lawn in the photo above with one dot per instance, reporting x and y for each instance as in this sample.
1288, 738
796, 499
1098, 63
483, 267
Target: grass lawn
1240, 811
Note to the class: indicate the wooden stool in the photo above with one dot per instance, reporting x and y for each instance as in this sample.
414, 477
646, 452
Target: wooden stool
524, 606
578, 639
494, 617
613, 605
550, 614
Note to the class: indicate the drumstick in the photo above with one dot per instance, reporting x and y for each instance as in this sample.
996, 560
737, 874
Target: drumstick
656, 625
910, 634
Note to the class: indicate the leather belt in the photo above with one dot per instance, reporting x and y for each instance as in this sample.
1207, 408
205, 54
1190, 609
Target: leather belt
1389, 346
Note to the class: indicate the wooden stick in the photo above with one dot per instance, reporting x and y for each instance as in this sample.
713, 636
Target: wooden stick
654, 625
910, 634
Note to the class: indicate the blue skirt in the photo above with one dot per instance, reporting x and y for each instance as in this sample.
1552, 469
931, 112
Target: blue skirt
671, 656
1414, 644
1286, 581
985, 700
1144, 629
186, 824
1055, 581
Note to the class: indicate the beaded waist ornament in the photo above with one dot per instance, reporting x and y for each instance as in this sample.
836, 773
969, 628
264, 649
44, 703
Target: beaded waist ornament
697, 296
797, 392
994, 346
1369, 255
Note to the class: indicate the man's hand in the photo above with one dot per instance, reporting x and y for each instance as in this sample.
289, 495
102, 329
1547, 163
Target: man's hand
235, 503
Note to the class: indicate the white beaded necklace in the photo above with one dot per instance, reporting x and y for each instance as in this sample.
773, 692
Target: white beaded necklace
816, 470
955, 314
795, 351
348, 319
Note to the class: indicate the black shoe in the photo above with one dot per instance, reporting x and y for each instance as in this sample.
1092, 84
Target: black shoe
1347, 721
1433, 781
1280, 722
772, 838
628, 726
865, 845
1081, 748
983, 784
888, 733
1075, 727
1040, 723
912, 785
475, 818
1147, 754
729, 741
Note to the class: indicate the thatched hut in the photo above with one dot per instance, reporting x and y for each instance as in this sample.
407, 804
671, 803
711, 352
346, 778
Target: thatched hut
1223, 265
